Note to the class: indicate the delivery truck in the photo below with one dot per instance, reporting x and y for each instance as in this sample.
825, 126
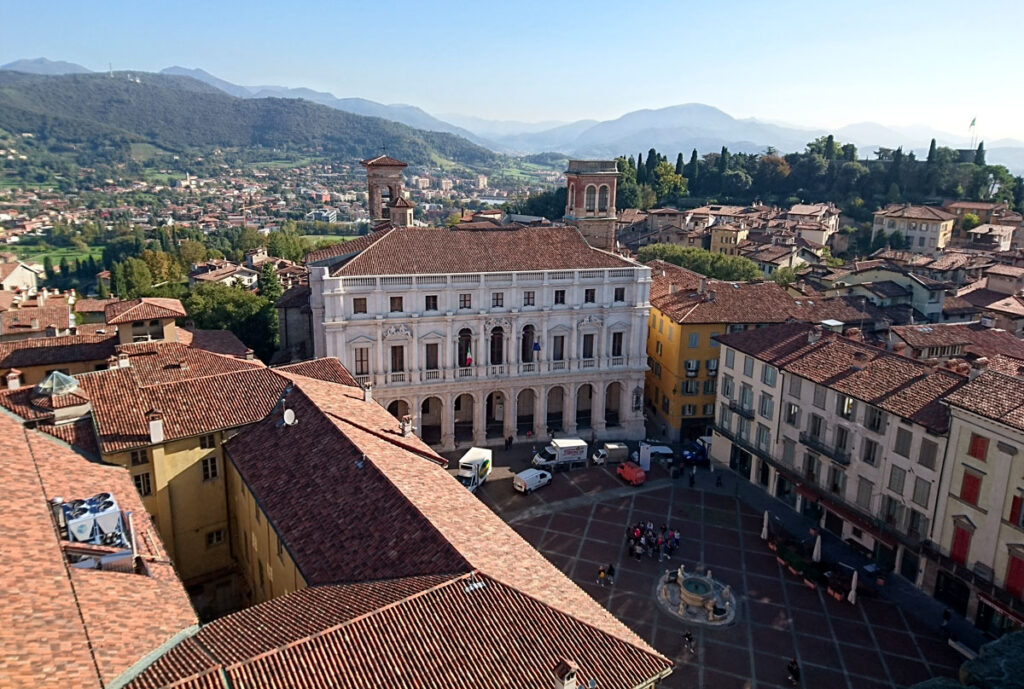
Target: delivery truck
562, 453
474, 468
611, 453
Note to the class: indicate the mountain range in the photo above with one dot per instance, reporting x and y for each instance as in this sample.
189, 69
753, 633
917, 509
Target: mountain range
671, 129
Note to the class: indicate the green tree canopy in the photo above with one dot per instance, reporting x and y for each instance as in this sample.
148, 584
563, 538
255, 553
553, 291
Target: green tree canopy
717, 266
249, 316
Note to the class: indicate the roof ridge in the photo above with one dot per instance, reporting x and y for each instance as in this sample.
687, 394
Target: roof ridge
379, 435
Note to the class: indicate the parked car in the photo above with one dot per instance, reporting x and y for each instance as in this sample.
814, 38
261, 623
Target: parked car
697, 453
530, 480
632, 473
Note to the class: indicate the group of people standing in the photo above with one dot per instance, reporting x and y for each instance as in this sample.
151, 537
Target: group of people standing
641, 538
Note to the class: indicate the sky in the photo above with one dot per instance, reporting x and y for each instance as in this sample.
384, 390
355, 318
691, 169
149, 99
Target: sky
823, 63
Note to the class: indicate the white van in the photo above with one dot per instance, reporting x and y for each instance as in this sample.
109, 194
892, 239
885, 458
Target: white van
662, 454
611, 452
530, 480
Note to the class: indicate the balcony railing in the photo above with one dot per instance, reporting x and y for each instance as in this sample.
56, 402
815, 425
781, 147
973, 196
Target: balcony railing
820, 446
464, 372
496, 370
398, 377
744, 443
432, 374
588, 363
530, 367
742, 410
618, 361
557, 366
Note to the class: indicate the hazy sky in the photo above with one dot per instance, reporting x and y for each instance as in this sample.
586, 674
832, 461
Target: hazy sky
817, 63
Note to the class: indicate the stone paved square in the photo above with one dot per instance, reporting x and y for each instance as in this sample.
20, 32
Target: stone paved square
579, 523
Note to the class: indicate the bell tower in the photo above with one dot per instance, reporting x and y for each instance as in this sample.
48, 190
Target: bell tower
590, 201
382, 172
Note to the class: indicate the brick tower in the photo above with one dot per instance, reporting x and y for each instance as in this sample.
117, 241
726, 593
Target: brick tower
382, 173
590, 201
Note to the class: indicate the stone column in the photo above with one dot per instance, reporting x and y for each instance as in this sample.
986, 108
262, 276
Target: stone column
447, 421
510, 413
480, 419
597, 408
569, 410
540, 412
380, 354
484, 354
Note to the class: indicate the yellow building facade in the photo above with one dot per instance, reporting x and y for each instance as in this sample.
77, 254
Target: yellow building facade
725, 239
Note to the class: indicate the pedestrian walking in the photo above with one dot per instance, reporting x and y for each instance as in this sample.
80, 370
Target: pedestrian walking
638, 551
693, 480
610, 573
688, 642
793, 672
601, 574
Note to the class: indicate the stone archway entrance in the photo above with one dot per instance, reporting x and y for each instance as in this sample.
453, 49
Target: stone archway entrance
525, 409
495, 415
612, 402
584, 402
556, 407
463, 411
398, 409
431, 411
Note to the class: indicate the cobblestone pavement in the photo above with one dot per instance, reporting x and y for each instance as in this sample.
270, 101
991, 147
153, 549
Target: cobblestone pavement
579, 521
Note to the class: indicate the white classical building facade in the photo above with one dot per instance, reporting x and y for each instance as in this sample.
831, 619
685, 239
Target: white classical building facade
483, 335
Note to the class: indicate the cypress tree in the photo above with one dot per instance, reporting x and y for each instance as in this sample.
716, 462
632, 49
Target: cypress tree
679, 164
723, 161
931, 152
641, 170
652, 162
830, 147
692, 169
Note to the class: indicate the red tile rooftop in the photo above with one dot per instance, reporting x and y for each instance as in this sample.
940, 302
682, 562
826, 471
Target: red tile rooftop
65, 626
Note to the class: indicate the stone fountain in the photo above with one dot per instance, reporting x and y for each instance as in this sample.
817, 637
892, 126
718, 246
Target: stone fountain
697, 598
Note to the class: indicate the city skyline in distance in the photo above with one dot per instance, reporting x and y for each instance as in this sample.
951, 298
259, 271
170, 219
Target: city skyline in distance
794, 63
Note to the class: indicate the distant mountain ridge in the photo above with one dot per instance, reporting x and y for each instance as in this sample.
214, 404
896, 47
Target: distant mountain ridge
41, 65
178, 113
678, 128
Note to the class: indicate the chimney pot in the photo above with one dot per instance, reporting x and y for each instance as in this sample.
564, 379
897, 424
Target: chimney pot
13, 379
156, 426
367, 393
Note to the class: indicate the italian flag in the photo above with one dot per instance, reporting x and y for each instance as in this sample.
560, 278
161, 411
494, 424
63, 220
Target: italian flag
469, 355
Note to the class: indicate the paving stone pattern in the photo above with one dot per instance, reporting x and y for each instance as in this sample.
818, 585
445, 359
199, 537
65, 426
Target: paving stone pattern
579, 524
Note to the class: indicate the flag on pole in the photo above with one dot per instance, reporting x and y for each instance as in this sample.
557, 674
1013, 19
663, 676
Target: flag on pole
973, 121
469, 355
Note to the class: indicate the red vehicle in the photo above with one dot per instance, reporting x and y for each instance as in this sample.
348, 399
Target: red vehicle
632, 473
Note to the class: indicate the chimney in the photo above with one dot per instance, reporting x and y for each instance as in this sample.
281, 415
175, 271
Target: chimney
13, 379
673, 288
853, 334
988, 321
35, 324
564, 674
406, 426
703, 287
860, 360
123, 361
367, 393
899, 348
711, 295
814, 334
156, 426
980, 364
112, 361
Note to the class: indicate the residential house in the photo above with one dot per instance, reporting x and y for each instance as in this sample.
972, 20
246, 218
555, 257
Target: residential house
16, 276
928, 229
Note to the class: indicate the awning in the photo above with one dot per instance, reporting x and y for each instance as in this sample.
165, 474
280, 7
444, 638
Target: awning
993, 603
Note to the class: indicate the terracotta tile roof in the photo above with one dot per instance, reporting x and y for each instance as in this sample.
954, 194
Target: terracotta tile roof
31, 319
347, 648
401, 202
189, 407
896, 384
1007, 365
93, 305
734, 302
217, 341
325, 368
995, 301
78, 434
404, 251
922, 336
50, 351
952, 306
294, 298
915, 212
1005, 271
886, 289
66, 626
382, 161
166, 362
977, 339
974, 205
350, 247
995, 396
142, 309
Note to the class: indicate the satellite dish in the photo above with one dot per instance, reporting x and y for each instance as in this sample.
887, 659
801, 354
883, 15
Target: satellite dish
289, 417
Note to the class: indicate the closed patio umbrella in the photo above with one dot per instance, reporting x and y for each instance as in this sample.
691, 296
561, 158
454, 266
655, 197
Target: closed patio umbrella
852, 597
816, 555
764, 527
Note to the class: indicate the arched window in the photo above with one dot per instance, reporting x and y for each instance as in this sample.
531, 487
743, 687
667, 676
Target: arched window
465, 347
590, 198
602, 198
529, 337
497, 346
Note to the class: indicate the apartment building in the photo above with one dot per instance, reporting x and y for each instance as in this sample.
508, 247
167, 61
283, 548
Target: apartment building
726, 238
483, 334
976, 561
843, 432
928, 229
688, 311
